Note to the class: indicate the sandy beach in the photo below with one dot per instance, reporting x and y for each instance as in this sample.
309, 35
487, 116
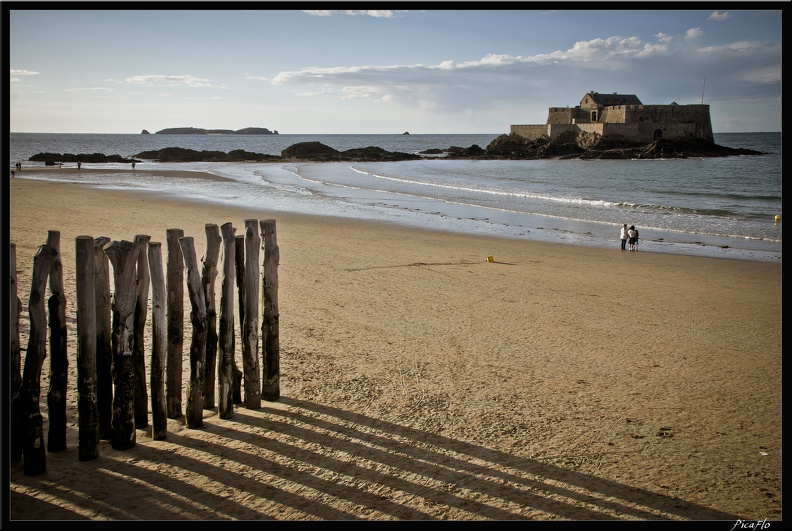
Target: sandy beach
421, 382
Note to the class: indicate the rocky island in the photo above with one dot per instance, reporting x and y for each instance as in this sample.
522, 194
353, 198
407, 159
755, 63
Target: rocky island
505, 147
199, 131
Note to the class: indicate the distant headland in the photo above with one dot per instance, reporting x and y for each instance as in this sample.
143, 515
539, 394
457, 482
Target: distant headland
199, 131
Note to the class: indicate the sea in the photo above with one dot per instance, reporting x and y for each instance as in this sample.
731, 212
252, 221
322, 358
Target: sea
725, 207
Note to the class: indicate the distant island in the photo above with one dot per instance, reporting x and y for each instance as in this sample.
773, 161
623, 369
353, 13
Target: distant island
199, 131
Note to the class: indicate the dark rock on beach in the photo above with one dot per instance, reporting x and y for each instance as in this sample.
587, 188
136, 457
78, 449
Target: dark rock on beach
316, 151
514, 146
53, 158
176, 154
587, 147
460, 152
582, 146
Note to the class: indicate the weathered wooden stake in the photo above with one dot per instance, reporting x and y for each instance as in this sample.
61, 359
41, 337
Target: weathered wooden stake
239, 266
208, 276
225, 368
59, 360
141, 311
104, 337
198, 342
33, 451
159, 339
270, 328
250, 351
175, 318
87, 406
15, 359
123, 256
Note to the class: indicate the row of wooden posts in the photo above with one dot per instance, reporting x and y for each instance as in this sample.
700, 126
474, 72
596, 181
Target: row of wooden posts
111, 385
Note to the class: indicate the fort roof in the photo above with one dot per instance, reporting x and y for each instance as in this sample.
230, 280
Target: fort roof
607, 100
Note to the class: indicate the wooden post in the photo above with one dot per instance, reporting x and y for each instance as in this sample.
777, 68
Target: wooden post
33, 452
239, 266
198, 342
59, 361
250, 352
141, 311
87, 407
270, 328
175, 318
15, 359
104, 337
208, 276
225, 368
159, 339
123, 256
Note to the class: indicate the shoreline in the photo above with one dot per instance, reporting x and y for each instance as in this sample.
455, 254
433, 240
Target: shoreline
420, 381
539, 228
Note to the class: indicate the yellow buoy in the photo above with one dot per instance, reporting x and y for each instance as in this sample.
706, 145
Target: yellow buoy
778, 217
490, 259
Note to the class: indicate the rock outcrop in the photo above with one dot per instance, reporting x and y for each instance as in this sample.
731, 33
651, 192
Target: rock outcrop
50, 159
316, 151
505, 147
177, 154
593, 146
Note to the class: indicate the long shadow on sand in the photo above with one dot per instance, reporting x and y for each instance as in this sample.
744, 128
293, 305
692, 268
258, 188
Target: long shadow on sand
497, 474
302, 460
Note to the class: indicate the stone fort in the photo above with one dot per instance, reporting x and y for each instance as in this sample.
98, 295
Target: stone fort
623, 116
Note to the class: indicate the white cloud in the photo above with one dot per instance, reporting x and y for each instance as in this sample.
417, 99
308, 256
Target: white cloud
693, 33
738, 46
498, 81
172, 81
599, 51
377, 13
88, 89
370, 92
23, 73
719, 17
664, 37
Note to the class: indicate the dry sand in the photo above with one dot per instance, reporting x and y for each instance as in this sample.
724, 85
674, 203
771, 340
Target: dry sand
421, 382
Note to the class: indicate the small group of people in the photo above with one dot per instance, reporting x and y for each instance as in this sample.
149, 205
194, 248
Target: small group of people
18, 166
629, 238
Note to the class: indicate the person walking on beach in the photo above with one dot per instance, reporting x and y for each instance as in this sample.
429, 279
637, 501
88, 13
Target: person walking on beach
624, 237
79, 164
635, 242
133, 165
631, 233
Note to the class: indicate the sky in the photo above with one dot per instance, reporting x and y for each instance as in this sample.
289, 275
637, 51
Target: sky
425, 71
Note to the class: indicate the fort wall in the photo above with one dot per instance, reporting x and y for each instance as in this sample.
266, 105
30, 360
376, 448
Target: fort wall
637, 123
531, 132
631, 132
